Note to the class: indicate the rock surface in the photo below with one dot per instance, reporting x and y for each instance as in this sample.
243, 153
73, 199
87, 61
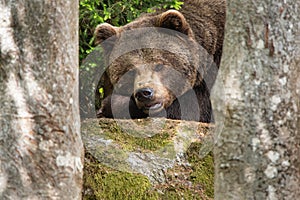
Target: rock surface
152, 158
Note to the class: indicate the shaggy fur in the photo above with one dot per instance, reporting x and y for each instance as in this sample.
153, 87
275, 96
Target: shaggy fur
180, 80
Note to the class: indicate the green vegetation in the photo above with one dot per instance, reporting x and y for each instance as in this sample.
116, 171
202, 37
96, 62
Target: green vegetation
193, 180
203, 169
129, 142
101, 182
117, 13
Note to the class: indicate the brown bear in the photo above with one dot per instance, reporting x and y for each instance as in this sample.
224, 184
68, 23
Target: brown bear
163, 63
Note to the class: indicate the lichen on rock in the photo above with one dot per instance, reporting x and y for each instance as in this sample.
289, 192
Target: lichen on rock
152, 158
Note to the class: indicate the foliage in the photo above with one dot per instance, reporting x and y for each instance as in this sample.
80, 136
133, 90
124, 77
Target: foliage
117, 13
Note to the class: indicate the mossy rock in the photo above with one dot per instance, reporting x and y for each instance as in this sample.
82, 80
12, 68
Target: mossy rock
146, 159
101, 182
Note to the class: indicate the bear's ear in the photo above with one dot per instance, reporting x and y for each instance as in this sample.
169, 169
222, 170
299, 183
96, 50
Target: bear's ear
174, 20
103, 32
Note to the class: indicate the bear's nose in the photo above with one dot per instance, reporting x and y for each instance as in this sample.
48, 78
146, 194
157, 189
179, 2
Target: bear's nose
144, 94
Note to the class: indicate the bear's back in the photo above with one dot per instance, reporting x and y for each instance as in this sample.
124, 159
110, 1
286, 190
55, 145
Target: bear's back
207, 20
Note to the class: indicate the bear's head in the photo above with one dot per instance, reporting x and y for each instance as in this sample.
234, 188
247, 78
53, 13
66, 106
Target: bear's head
154, 59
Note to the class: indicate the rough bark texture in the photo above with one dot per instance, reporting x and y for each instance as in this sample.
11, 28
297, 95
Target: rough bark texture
258, 150
40, 143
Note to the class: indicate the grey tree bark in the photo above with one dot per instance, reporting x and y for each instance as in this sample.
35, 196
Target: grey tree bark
258, 149
40, 144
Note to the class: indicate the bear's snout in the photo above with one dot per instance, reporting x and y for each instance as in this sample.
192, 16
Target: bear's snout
146, 101
144, 94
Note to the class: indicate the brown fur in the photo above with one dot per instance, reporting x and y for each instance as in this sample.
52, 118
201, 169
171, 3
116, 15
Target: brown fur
202, 22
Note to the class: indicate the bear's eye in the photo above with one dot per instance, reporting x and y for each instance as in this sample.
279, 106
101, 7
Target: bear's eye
131, 73
158, 67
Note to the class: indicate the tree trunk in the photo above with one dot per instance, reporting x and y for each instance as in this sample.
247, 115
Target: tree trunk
258, 147
41, 149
